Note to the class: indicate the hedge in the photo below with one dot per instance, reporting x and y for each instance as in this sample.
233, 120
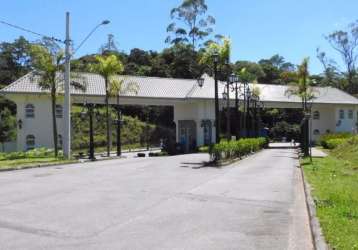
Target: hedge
325, 138
226, 150
334, 143
34, 153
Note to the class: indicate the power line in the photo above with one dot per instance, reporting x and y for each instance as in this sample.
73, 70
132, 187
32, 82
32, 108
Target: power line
30, 31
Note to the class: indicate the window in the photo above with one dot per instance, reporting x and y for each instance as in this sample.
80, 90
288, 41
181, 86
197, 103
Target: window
30, 142
30, 111
316, 115
59, 141
316, 132
350, 114
341, 114
59, 111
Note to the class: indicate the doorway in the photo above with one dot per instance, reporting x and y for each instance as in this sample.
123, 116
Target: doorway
187, 135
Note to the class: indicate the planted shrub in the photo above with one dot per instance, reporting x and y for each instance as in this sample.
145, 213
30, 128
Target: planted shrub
236, 149
325, 138
34, 153
334, 143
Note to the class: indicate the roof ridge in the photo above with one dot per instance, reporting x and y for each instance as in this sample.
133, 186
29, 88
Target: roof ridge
151, 77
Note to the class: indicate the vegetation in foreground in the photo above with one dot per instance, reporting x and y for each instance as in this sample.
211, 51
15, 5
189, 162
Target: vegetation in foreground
18, 160
334, 181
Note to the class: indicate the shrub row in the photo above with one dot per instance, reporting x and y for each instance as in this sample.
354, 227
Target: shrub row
35, 153
236, 149
327, 137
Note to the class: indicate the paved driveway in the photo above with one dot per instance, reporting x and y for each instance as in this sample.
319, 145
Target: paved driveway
157, 203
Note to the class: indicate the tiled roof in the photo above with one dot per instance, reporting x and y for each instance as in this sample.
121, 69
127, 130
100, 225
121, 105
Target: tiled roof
147, 86
276, 93
170, 88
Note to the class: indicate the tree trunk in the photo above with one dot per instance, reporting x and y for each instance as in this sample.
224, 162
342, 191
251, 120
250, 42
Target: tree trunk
107, 118
54, 122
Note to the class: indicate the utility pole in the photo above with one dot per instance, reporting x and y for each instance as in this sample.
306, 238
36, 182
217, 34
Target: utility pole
67, 104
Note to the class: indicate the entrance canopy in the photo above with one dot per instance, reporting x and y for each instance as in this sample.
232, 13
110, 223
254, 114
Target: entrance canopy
168, 91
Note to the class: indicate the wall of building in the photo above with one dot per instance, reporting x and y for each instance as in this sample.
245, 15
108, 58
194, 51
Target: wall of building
196, 111
346, 123
330, 120
41, 125
326, 122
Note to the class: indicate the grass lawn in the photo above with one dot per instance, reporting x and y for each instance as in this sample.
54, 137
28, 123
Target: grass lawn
22, 163
334, 181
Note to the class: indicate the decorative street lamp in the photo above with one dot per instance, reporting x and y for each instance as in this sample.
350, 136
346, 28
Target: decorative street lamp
234, 79
200, 82
215, 58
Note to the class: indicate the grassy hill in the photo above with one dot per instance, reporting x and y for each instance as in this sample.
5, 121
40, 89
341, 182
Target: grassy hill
335, 188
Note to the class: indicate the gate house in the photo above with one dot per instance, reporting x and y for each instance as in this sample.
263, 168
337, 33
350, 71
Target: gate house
194, 109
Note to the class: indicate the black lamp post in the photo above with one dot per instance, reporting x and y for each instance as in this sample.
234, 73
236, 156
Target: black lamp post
234, 79
217, 115
228, 122
119, 122
90, 108
309, 128
247, 110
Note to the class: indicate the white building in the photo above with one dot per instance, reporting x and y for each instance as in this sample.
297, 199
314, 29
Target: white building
194, 113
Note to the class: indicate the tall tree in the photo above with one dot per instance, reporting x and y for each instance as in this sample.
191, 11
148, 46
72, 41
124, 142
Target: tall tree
302, 88
223, 50
251, 68
275, 70
345, 42
194, 24
108, 67
47, 60
14, 60
7, 126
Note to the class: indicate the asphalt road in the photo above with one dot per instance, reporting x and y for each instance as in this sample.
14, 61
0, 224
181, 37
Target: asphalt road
157, 203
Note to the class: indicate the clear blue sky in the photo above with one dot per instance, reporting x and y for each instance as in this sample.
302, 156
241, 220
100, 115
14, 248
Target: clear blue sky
258, 28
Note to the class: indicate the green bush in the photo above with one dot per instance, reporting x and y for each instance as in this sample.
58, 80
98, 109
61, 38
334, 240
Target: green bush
325, 138
34, 153
236, 149
334, 143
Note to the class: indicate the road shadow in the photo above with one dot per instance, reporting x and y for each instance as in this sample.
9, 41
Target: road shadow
198, 165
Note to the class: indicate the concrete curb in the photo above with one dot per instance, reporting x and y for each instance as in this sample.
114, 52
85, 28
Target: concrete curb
39, 166
316, 231
58, 164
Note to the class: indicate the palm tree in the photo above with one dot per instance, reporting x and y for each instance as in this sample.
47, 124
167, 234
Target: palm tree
116, 88
108, 67
47, 61
303, 89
